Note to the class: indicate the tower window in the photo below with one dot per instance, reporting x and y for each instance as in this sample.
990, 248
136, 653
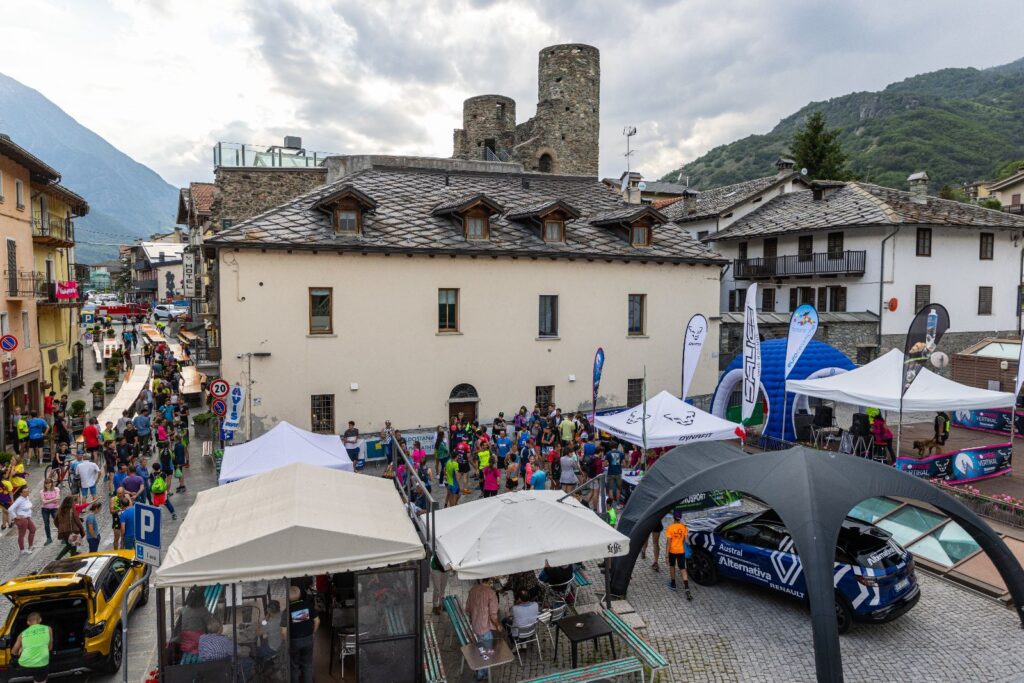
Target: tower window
500, 110
545, 164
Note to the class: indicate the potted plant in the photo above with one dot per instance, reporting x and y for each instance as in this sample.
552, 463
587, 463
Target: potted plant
77, 415
97, 395
204, 424
111, 333
5, 458
110, 380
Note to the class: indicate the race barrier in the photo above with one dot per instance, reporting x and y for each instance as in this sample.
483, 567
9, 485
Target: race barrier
962, 466
996, 420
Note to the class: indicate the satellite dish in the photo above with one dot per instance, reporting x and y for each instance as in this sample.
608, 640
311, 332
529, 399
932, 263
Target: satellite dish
641, 186
803, 171
624, 184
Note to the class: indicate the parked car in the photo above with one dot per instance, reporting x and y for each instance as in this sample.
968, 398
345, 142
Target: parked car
81, 599
874, 575
168, 312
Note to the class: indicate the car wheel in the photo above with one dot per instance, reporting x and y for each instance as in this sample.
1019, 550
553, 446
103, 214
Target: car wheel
844, 615
144, 598
113, 664
702, 569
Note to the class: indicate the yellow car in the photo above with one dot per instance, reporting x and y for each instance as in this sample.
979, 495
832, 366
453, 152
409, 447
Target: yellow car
81, 599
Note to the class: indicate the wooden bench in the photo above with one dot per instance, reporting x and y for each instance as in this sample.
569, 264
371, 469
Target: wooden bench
650, 657
461, 627
207, 449
211, 596
433, 667
586, 587
595, 672
99, 355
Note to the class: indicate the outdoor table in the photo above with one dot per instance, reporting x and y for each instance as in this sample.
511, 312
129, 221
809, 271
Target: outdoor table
478, 657
581, 627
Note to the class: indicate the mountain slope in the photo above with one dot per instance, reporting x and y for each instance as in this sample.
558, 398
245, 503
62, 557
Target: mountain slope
127, 200
957, 124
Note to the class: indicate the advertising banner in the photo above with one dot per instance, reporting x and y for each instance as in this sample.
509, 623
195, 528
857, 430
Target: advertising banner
923, 336
960, 467
65, 291
802, 327
989, 420
751, 354
233, 420
693, 344
598, 368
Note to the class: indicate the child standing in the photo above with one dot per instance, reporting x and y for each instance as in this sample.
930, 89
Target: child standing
678, 549
92, 527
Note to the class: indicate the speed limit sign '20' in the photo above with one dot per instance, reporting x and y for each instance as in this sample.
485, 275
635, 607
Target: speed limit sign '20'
219, 388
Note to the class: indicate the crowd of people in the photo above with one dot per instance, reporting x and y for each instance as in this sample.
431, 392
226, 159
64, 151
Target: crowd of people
105, 470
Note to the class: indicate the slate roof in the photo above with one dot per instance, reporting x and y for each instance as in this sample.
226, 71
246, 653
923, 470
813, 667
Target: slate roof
857, 204
716, 200
406, 220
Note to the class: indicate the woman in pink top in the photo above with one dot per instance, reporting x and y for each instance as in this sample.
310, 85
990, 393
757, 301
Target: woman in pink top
161, 433
491, 475
418, 454
49, 499
529, 473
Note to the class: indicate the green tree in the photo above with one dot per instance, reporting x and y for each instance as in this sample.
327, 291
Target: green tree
121, 282
817, 148
1007, 169
947, 191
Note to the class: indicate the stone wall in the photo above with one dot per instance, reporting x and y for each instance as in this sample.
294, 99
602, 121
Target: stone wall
848, 337
485, 117
244, 192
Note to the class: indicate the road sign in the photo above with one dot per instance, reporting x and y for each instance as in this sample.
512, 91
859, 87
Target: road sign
147, 525
219, 407
233, 419
219, 388
227, 434
148, 554
8, 342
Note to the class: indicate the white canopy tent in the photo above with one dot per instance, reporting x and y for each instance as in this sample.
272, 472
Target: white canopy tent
282, 445
297, 520
879, 382
519, 531
670, 422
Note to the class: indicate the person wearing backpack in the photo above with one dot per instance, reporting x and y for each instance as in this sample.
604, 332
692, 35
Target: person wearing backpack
158, 489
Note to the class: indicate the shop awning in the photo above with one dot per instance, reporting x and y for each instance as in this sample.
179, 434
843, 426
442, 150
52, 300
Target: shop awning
878, 384
670, 422
297, 520
283, 445
519, 531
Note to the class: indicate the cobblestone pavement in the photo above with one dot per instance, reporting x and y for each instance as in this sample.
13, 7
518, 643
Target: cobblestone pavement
141, 644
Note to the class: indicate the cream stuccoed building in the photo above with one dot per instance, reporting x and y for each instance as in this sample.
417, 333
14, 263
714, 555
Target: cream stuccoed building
411, 289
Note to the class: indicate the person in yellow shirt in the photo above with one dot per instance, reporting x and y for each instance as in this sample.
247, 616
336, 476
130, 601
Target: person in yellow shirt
678, 550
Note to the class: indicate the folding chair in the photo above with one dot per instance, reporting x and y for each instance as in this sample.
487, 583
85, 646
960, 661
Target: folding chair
527, 635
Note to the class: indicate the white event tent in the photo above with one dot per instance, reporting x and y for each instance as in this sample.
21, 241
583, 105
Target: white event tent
297, 520
283, 445
519, 531
670, 422
879, 382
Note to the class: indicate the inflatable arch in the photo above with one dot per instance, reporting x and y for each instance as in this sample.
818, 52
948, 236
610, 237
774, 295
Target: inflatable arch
818, 360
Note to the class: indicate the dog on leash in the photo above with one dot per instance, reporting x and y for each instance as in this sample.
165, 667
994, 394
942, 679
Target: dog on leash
930, 445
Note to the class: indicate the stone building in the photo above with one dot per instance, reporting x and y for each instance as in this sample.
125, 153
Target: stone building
561, 138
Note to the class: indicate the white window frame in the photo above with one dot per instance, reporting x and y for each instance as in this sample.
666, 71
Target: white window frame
5, 323
19, 194
26, 330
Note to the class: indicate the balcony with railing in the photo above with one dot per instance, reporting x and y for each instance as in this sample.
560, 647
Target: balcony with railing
53, 230
801, 265
19, 284
46, 293
1014, 208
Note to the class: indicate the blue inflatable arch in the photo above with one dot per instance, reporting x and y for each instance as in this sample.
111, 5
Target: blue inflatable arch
818, 360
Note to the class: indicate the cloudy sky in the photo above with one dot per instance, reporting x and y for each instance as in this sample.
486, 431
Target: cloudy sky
164, 79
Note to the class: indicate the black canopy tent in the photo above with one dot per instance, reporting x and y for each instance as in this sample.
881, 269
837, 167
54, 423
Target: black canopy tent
812, 491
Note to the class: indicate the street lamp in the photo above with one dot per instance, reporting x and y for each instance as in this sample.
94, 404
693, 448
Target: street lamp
249, 355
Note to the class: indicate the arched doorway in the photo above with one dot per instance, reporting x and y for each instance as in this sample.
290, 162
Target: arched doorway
546, 163
463, 399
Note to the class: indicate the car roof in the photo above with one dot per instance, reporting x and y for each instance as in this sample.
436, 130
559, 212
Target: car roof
69, 572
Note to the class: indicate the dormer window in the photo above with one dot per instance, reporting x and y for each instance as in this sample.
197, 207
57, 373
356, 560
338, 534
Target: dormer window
476, 227
346, 220
554, 230
640, 235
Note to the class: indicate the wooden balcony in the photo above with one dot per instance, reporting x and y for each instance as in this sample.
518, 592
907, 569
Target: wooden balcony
801, 265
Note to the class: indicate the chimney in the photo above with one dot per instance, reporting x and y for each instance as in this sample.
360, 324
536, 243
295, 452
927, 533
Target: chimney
918, 187
784, 166
689, 202
629, 187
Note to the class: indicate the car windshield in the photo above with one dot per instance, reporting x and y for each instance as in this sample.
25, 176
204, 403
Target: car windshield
868, 547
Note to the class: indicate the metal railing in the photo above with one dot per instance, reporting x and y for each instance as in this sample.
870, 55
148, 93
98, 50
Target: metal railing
53, 227
1014, 208
1006, 510
497, 154
821, 263
20, 283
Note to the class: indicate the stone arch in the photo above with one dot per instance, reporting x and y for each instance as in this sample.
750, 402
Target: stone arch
463, 400
463, 392
800, 484
547, 160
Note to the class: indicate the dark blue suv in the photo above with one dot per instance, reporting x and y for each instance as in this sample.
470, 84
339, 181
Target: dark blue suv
874, 575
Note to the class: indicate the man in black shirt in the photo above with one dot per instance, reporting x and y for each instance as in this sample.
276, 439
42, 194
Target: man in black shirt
303, 624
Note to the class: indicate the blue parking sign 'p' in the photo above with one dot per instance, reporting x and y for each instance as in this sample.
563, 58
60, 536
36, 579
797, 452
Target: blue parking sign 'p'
147, 525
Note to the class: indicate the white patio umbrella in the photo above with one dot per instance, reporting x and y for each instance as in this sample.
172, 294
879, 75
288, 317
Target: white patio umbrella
519, 531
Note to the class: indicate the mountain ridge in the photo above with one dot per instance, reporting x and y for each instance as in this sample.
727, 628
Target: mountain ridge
127, 199
958, 124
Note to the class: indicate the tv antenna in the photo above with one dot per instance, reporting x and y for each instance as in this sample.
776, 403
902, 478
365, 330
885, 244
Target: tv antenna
628, 131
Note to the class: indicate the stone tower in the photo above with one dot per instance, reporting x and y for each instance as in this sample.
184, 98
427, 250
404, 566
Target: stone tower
563, 135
